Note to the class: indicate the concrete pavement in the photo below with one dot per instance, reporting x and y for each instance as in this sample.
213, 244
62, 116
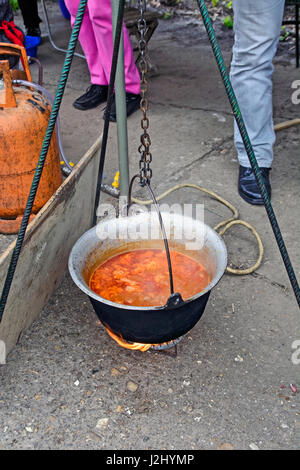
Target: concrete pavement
67, 384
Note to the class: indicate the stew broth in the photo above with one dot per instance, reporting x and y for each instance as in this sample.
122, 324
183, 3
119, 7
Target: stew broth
141, 277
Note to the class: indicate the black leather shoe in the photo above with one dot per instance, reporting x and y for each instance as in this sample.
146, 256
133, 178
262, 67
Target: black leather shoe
132, 104
248, 188
95, 95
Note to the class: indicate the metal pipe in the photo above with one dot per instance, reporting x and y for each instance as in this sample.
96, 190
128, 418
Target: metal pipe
120, 96
114, 192
111, 85
49, 34
68, 168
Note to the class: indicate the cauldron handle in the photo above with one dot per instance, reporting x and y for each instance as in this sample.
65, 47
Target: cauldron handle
175, 299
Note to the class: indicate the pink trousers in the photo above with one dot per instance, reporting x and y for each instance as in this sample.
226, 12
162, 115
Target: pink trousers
96, 40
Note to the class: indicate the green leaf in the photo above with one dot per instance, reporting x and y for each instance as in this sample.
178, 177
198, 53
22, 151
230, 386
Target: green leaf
284, 36
14, 4
168, 15
228, 22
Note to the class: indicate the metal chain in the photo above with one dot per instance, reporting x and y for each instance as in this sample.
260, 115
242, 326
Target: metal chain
144, 149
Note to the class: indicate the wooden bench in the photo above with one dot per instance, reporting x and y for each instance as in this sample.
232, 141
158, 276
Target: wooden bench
131, 18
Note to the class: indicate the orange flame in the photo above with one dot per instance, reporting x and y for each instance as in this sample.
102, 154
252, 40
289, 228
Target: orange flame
122, 342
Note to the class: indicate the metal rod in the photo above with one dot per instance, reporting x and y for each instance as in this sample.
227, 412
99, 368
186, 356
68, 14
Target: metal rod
49, 34
108, 105
43, 154
248, 147
162, 227
41, 73
120, 96
297, 34
164, 237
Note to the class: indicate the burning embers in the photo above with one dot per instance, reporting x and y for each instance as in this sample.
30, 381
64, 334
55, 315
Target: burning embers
141, 346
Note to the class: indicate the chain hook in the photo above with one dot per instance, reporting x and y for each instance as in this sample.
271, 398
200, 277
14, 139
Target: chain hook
145, 172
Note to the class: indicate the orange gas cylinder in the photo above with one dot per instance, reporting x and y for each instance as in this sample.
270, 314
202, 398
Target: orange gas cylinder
24, 116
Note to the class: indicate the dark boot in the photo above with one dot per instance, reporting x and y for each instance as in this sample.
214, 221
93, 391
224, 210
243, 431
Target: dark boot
248, 188
33, 31
132, 104
95, 95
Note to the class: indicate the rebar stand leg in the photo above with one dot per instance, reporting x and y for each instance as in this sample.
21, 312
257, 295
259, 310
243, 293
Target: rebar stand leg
120, 95
248, 147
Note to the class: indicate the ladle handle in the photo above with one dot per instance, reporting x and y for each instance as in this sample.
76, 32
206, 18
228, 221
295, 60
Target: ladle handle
175, 299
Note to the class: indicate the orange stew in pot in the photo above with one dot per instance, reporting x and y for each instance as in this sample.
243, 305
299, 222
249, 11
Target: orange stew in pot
141, 277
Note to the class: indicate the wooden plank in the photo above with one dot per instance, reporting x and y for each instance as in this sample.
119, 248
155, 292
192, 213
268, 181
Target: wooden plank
286, 124
132, 16
47, 244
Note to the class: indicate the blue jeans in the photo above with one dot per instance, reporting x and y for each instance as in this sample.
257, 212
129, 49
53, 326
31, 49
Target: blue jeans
257, 25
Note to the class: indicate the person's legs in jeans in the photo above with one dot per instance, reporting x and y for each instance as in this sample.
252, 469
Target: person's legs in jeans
257, 27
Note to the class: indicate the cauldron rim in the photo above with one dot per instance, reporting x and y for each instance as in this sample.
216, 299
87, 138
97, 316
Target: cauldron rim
84, 287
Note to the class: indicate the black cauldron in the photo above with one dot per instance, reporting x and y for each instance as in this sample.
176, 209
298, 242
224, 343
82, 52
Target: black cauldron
148, 324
